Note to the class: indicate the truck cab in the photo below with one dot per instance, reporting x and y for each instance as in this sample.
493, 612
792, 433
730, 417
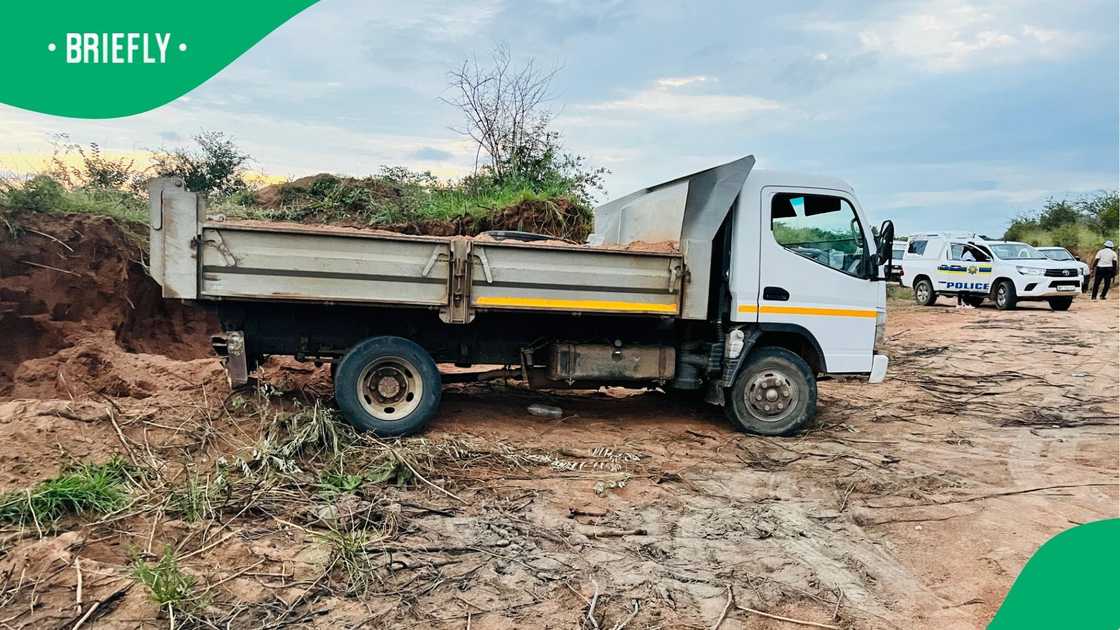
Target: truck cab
979, 269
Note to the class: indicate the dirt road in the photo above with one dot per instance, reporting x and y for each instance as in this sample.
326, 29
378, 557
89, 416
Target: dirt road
914, 503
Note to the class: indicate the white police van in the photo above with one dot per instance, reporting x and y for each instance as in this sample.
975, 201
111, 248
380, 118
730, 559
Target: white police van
976, 269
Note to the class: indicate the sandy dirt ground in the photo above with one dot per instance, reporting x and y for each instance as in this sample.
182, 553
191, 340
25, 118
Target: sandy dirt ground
913, 503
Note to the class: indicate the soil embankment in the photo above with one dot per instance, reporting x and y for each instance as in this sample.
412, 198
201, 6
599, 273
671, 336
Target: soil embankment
77, 308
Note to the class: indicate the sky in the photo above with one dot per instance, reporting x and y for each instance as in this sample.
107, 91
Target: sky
943, 114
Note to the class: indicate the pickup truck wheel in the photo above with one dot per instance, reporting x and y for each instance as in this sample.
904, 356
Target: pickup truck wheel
923, 292
1005, 295
388, 385
774, 394
1060, 303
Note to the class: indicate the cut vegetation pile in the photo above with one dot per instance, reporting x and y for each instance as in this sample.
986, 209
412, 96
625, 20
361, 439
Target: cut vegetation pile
411, 203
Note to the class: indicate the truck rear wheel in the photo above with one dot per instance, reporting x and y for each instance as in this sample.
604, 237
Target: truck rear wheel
923, 292
775, 393
1060, 303
388, 385
1005, 295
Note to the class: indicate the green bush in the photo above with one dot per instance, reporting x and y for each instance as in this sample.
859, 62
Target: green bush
1081, 225
43, 193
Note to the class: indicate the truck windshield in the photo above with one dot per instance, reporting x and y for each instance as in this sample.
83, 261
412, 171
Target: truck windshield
1016, 251
1057, 254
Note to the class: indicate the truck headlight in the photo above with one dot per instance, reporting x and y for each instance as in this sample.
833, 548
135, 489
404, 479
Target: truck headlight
1030, 271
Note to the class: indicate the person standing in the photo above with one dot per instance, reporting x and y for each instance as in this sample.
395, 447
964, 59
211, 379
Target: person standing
1104, 269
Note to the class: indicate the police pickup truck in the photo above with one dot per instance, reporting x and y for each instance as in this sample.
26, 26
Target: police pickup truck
974, 268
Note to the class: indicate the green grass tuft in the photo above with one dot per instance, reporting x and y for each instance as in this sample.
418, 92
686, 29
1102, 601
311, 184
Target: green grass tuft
167, 584
86, 489
333, 484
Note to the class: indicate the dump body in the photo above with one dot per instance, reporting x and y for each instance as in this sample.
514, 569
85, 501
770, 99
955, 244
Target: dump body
458, 276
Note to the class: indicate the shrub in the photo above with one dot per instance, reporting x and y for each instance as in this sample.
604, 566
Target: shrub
216, 167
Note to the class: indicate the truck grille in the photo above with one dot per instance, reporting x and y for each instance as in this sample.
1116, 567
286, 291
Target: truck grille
1061, 273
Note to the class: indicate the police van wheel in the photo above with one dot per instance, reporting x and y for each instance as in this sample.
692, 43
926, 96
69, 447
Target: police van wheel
775, 393
1005, 295
1060, 303
388, 385
923, 292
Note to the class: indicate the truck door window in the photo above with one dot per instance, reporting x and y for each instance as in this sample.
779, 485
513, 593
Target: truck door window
822, 228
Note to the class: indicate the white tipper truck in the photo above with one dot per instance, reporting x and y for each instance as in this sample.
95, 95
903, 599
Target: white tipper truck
774, 281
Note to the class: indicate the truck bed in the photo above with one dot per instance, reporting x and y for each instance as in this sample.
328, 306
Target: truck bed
460, 276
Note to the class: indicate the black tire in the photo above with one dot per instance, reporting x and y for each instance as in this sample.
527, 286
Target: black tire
924, 294
792, 380
1005, 297
973, 300
389, 386
1061, 303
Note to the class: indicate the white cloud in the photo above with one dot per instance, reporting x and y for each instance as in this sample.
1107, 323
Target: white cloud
676, 82
666, 98
953, 35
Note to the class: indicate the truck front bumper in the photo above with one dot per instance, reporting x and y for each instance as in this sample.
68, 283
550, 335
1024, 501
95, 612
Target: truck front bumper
878, 368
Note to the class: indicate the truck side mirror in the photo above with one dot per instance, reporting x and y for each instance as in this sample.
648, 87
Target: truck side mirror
886, 242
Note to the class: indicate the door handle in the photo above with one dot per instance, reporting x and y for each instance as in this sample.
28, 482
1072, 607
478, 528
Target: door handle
777, 294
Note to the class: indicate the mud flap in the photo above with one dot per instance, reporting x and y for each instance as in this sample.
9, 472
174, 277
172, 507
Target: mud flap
878, 368
231, 347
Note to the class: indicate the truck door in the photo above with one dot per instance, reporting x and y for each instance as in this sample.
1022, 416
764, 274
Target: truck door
815, 273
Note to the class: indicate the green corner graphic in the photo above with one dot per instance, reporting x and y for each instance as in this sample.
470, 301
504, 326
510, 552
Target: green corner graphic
111, 59
1072, 581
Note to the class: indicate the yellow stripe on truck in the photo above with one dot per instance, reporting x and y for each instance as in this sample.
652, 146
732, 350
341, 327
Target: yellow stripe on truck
576, 305
806, 310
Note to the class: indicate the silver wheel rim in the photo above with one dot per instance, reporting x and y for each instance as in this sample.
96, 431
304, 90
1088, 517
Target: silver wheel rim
390, 388
923, 292
771, 396
1001, 295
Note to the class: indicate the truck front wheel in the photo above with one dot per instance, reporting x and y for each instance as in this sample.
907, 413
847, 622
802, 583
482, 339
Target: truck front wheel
388, 385
775, 393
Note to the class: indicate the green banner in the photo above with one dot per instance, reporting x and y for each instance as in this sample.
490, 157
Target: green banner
1072, 581
109, 59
